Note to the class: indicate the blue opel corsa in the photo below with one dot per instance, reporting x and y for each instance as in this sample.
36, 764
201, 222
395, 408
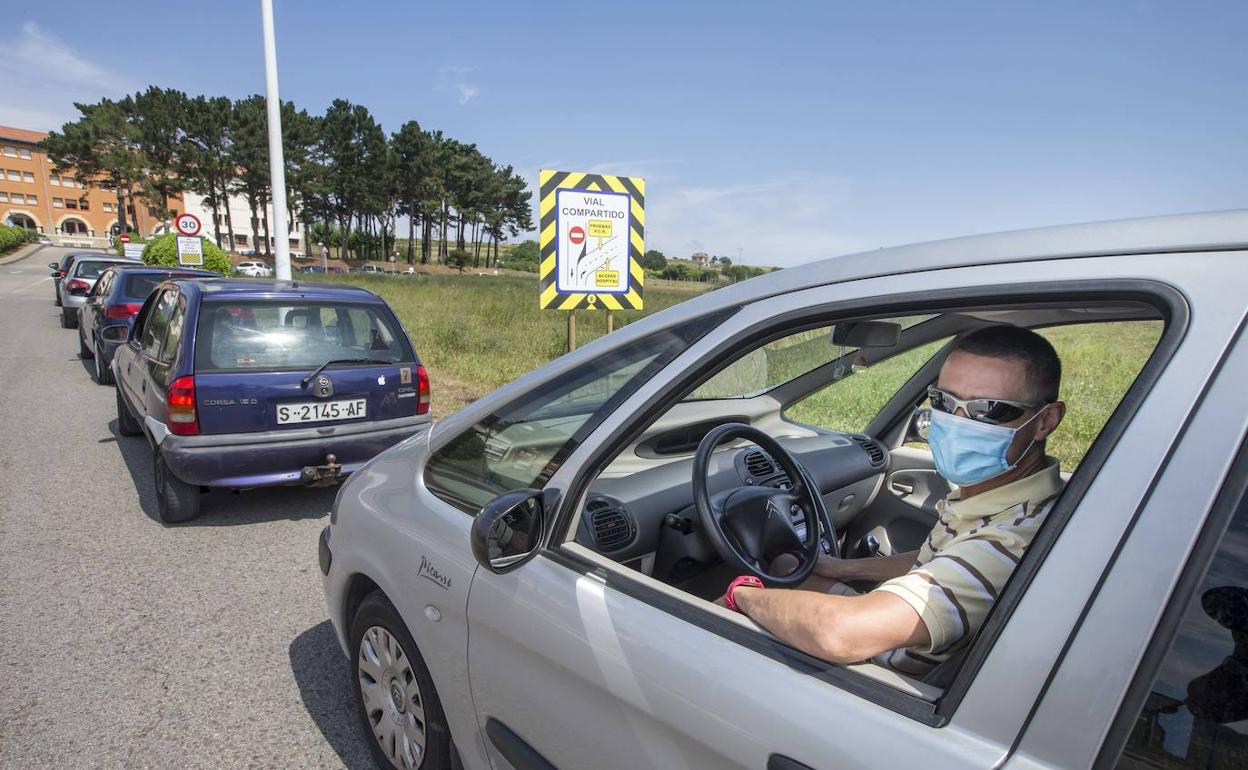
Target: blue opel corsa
239, 384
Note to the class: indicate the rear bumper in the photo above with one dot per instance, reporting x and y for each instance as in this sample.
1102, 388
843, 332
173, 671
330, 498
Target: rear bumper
276, 458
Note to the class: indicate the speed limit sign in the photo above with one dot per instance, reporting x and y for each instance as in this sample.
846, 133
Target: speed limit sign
187, 224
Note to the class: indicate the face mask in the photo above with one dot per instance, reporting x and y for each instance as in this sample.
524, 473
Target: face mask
969, 452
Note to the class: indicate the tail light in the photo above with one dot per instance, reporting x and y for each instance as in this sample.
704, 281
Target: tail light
422, 394
181, 403
77, 283
123, 311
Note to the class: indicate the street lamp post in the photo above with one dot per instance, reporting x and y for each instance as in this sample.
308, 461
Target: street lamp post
277, 162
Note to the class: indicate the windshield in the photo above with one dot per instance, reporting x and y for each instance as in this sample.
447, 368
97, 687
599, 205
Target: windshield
90, 269
259, 335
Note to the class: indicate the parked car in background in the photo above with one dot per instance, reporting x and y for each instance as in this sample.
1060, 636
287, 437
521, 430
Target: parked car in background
58, 269
312, 269
562, 540
239, 384
80, 277
105, 319
246, 252
254, 270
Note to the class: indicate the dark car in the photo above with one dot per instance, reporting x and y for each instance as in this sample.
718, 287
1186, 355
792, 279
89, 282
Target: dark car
58, 269
104, 321
242, 383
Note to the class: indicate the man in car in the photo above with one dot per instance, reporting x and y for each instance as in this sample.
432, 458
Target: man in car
993, 406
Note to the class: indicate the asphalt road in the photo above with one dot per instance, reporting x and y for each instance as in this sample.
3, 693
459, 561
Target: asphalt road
124, 643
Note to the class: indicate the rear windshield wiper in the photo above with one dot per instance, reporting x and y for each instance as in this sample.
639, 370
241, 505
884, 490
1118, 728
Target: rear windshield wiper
304, 382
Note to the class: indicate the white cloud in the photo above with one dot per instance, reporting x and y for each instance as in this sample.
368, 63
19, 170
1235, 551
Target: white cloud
456, 79
44, 76
779, 222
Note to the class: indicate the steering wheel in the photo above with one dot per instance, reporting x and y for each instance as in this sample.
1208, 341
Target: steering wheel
752, 525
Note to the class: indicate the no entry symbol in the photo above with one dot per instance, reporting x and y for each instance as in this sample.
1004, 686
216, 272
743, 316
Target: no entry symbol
576, 235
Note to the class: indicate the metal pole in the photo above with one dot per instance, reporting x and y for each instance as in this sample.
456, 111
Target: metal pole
277, 162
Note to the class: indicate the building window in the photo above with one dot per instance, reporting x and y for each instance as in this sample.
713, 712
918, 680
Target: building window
56, 180
28, 177
70, 203
4, 197
108, 207
24, 153
84, 204
10, 151
31, 200
16, 176
74, 227
57, 203
17, 197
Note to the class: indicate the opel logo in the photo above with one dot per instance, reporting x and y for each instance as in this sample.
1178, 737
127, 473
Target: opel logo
324, 388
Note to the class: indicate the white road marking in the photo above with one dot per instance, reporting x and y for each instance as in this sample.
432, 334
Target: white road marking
31, 286
15, 272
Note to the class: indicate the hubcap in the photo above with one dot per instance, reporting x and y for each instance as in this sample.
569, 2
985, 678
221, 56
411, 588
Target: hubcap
391, 698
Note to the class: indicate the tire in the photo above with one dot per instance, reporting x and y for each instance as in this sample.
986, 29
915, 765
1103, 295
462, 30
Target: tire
69, 318
126, 424
103, 369
84, 352
389, 652
57, 301
176, 501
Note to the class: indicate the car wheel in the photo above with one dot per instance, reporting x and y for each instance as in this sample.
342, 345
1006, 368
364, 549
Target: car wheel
394, 693
84, 352
126, 424
176, 501
69, 318
103, 372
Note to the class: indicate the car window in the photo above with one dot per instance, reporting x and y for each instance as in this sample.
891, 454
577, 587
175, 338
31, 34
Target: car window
1196, 715
157, 324
848, 404
90, 269
247, 334
140, 285
523, 444
104, 285
173, 333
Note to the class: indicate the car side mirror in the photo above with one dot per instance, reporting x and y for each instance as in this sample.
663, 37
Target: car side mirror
54, 267
920, 422
508, 531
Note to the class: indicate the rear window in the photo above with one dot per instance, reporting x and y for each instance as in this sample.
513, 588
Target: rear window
284, 335
91, 268
138, 286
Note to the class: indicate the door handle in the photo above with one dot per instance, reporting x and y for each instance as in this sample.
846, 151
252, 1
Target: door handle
901, 488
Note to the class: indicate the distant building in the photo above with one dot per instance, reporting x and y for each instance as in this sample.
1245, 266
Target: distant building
701, 259
240, 217
33, 196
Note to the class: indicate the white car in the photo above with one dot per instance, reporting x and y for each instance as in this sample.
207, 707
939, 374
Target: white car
254, 270
530, 582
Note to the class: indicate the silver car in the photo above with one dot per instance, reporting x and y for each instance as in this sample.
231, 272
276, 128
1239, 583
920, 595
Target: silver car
529, 583
81, 273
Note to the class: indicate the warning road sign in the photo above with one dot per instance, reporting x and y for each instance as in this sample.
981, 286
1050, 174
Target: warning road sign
187, 224
592, 238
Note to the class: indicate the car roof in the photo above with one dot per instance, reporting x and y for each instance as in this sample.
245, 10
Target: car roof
146, 269
259, 288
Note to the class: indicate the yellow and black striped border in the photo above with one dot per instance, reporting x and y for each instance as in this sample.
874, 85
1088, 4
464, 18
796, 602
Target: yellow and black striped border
550, 296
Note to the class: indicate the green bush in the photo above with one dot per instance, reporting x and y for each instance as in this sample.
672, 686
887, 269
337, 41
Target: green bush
12, 237
163, 250
458, 258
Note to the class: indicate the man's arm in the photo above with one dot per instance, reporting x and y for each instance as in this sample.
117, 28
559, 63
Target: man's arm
840, 629
875, 569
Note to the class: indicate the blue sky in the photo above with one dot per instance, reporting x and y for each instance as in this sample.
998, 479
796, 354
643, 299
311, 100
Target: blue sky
781, 131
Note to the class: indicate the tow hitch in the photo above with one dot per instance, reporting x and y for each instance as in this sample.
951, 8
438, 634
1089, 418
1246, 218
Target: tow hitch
322, 475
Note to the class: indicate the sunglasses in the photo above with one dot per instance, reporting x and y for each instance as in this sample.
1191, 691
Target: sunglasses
993, 411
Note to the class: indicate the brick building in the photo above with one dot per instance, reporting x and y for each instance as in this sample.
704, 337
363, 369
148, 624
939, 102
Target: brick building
33, 196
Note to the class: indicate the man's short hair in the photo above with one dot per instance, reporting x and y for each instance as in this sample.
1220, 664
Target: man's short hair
1044, 368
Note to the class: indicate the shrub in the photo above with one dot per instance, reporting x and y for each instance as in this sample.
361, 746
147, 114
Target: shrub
163, 250
458, 258
12, 237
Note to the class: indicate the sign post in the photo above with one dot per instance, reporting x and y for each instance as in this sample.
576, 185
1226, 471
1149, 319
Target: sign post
190, 246
592, 236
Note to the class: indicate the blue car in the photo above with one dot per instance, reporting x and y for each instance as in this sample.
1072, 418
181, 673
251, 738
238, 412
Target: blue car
105, 318
241, 383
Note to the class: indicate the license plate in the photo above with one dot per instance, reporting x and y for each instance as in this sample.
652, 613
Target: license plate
321, 411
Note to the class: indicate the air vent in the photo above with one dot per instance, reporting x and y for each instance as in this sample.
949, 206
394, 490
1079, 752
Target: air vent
613, 529
759, 464
874, 450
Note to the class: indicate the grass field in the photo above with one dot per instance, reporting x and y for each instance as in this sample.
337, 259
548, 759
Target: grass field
475, 333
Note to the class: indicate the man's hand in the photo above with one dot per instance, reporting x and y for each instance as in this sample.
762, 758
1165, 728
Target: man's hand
874, 569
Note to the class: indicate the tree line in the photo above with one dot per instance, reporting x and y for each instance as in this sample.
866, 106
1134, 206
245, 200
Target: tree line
348, 183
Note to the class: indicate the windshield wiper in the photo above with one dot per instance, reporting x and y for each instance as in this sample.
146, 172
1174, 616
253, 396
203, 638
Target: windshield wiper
304, 382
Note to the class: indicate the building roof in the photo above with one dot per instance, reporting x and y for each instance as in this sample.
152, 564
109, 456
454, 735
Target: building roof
22, 135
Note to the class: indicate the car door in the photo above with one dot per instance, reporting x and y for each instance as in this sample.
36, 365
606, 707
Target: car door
89, 319
586, 663
137, 361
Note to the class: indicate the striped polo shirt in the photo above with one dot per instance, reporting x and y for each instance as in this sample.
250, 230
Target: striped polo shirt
966, 561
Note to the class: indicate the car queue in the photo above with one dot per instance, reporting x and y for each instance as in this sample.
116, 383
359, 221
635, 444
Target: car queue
239, 383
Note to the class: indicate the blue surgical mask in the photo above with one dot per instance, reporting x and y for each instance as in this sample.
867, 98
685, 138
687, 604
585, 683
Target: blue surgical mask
970, 452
